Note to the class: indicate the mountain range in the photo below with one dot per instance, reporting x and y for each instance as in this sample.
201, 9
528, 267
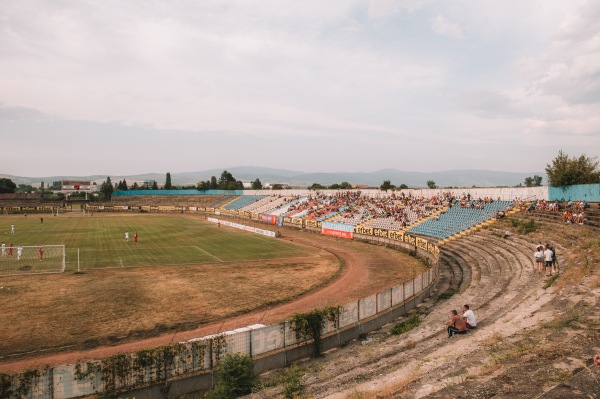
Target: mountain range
299, 179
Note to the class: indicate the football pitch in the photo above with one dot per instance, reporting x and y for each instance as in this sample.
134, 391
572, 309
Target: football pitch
99, 241
183, 271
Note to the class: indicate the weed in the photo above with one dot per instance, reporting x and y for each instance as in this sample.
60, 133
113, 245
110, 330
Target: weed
410, 344
527, 227
448, 293
550, 281
292, 384
406, 325
559, 324
356, 395
235, 377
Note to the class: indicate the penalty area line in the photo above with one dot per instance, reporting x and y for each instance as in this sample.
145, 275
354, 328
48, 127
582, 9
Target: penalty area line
209, 254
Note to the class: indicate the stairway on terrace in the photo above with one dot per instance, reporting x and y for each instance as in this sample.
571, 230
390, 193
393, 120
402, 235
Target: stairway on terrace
494, 276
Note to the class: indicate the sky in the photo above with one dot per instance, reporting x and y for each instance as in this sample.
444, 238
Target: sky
137, 86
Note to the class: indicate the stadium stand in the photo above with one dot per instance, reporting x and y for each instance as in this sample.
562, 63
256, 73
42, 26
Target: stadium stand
243, 201
460, 217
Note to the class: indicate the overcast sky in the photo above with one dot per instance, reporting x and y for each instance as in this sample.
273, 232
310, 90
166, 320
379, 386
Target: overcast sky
125, 87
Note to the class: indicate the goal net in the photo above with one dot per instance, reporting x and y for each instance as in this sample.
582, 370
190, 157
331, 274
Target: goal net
15, 260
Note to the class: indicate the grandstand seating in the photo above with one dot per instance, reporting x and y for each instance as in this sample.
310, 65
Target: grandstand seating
268, 204
243, 201
283, 210
458, 219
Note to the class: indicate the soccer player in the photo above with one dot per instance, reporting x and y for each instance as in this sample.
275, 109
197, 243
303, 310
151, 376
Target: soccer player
135, 236
41, 253
127, 236
3, 249
19, 252
12, 229
10, 247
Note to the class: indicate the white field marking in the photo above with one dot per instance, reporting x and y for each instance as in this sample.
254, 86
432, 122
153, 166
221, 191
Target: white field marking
209, 254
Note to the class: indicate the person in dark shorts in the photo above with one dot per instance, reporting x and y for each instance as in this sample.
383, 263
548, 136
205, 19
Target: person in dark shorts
548, 258
456, 325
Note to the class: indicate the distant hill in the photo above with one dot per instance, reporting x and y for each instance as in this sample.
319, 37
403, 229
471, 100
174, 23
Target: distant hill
449, 178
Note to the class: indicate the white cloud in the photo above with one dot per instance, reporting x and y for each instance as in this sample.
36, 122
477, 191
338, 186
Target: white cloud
442, 26
373, 76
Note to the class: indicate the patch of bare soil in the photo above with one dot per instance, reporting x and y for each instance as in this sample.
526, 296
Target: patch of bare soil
535, 338
150, 311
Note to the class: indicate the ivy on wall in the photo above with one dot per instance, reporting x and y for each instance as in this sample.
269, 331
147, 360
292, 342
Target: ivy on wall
310, 325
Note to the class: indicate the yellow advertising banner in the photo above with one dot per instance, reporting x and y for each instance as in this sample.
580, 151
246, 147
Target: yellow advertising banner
364, 230
421, 243
311, 223
396, 235
380, 233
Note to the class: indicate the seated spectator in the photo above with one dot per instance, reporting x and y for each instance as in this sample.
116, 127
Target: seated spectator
469, 317
456, 325
506, 234
597, 361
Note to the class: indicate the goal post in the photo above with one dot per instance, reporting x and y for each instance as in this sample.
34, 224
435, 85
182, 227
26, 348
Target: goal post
32, 259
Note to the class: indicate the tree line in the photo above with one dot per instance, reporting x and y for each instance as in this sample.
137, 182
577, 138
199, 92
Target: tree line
562, 171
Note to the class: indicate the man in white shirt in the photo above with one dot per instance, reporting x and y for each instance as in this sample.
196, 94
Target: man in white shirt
469, 317
548, 255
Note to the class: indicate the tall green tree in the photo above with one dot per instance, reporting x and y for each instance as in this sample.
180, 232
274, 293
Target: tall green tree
256, 185
317, 186
534, 181
431, 184
203, 185
225, 179
168, 185
107, 188
213, 183
154, 185
25, 188
7, 186
387, 185
566, 171
228, 182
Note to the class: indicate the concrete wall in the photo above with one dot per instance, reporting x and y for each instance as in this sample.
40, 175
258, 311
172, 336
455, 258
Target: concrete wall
580, 192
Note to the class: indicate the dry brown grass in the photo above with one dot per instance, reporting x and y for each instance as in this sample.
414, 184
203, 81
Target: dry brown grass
88, 309
115, 305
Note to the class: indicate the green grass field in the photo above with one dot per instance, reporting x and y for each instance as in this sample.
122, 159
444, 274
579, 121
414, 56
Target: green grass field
163, 240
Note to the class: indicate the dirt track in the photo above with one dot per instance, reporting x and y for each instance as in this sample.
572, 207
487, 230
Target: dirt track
367, 269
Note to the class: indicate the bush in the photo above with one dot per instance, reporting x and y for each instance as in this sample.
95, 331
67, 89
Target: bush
236, 377
527, 227
293, 387
407, 325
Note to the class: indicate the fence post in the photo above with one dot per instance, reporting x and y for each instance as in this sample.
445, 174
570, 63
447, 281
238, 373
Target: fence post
250, 343
284, 346
211, 363
51, 383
